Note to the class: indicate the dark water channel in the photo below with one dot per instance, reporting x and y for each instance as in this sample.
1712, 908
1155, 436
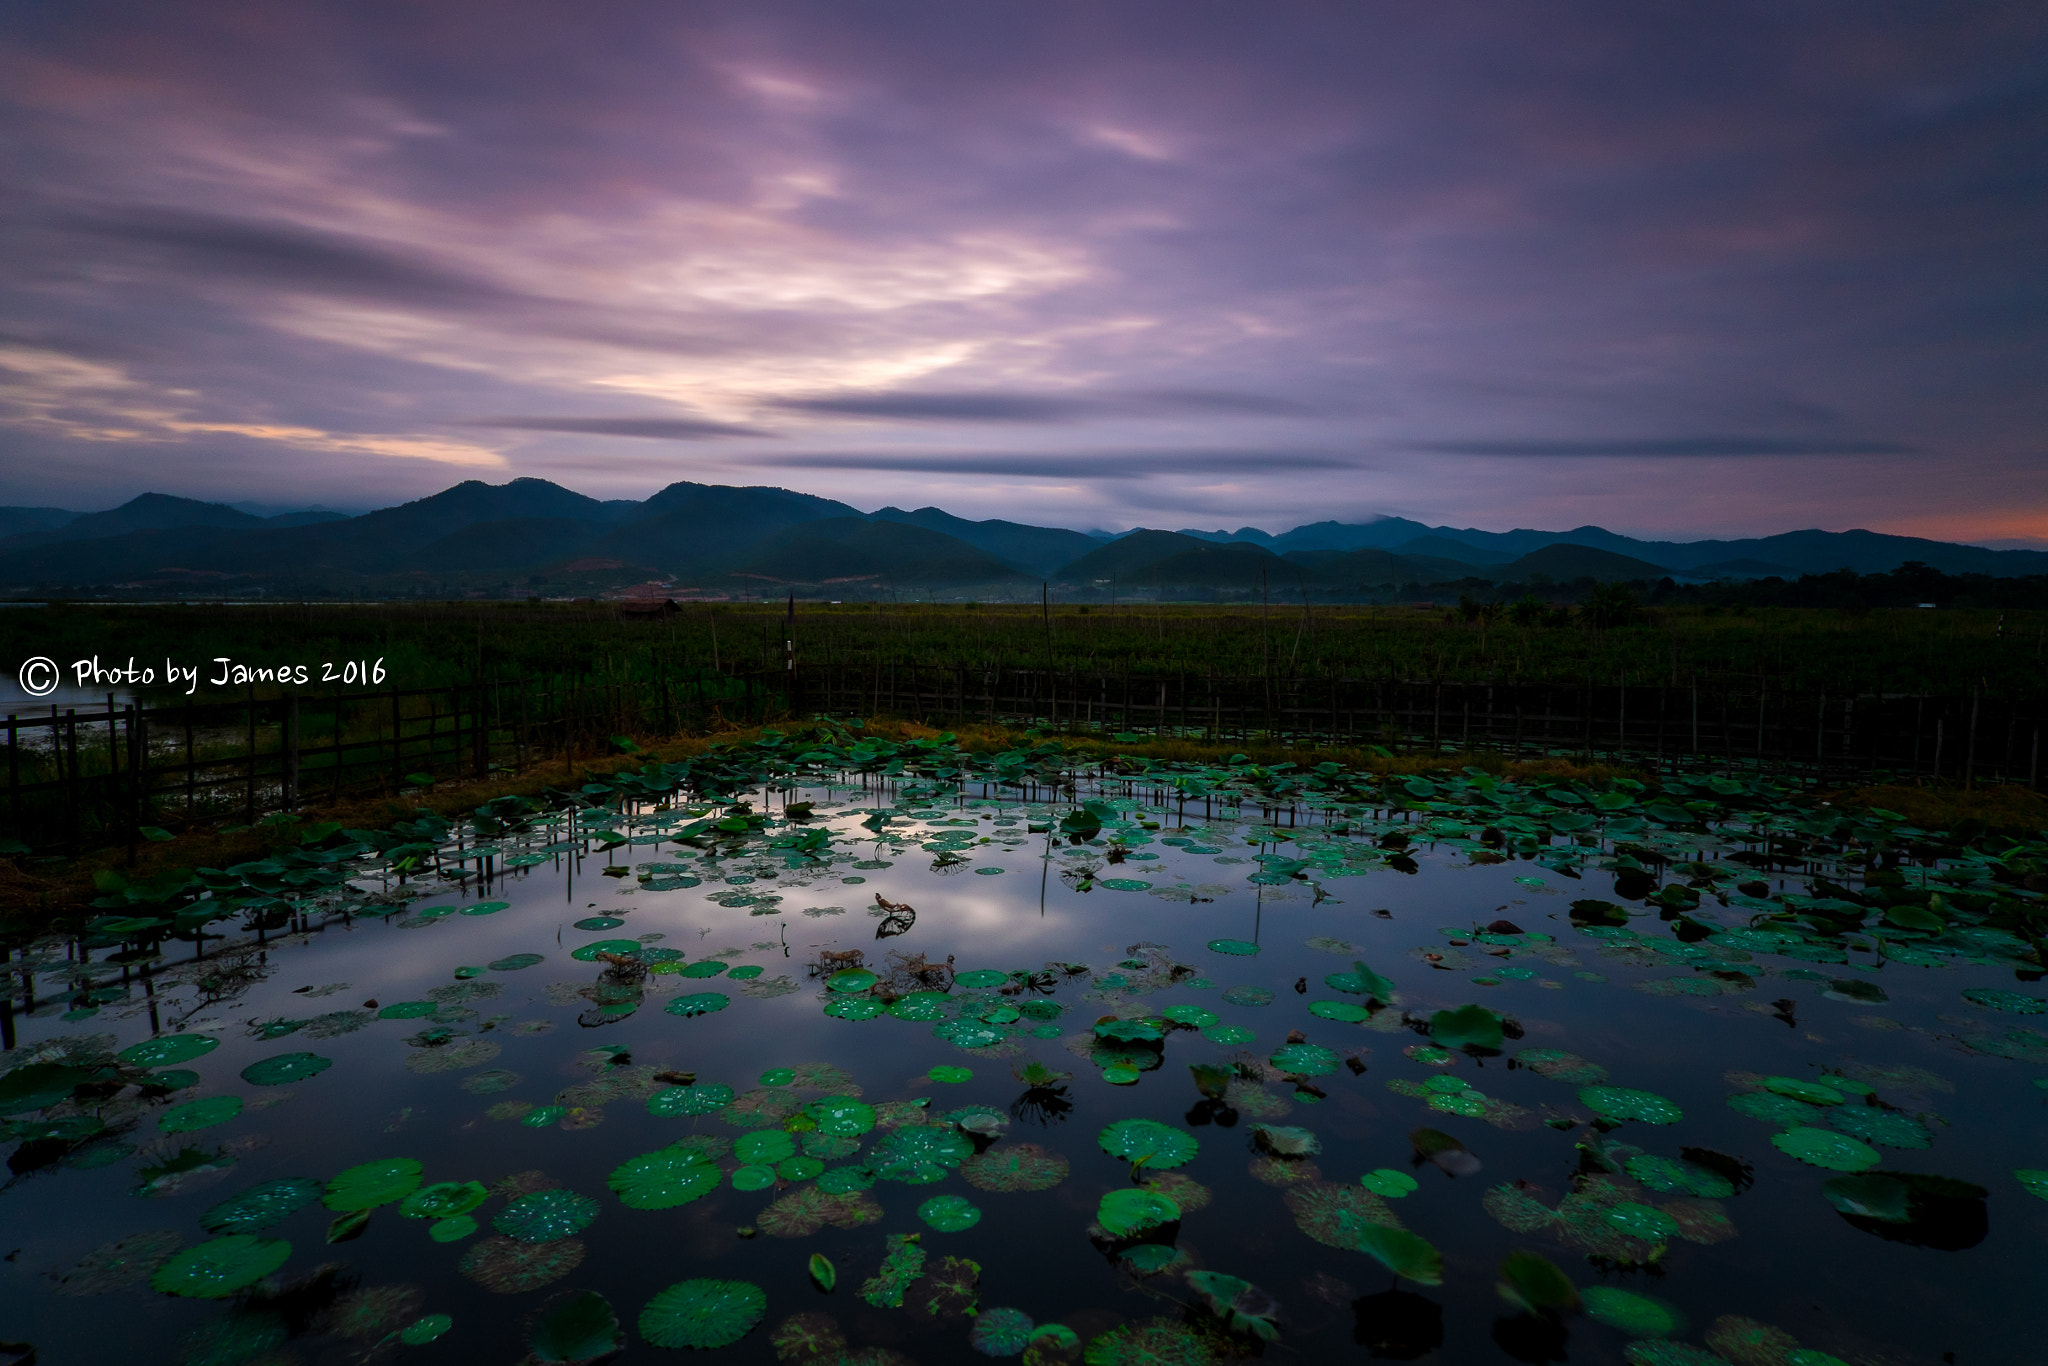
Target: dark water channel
545, 1075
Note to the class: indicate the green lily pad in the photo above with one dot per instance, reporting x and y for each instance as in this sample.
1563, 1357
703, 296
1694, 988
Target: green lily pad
1195, 1017
664, 1179
1886, 1128
515, 962
424, 1330
545, 1216
851, 980
1001, 1332
764, 1146
453, 1229
1812, 1092
707, 967
979, 979
1159, 1147
1826, 1149
949, 1213
921, 1005
372, 1184
1304, 1060
486, 907
754, 1177
443, 1200
260, 1206
1388, 1183
285, 1067
1236, 948
2033, 1180
1637, 1315
841, 1115
199, 1114
627, 948
1646, 1222
855, 1008
1228, 1035
599, 922
703, 1313
1341, 1011
578, 1326
698, 1003
919, 1154
1123, 1213
952, 1075
1619, 1102
1469, 1026
217, 1269
168, 1049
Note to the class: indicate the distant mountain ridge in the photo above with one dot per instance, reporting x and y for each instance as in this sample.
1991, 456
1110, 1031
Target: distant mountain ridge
534, 536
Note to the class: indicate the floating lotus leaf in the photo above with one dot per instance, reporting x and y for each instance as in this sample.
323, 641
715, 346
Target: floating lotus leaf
1341, 1011
1388, 1183
981, 978
802, 1212
1774, 1109
1157, 1146
2033, 1180
260, 1206
698, 1003
901, 1264
764, 1146
1336, 1215
1870, 1195
1304, 1060
922, 1005
1236, 948
1283, 1140
1745, 1340
2012, 1002
855, 1008
1130, 1031
1812, 1092
1669, 1174
575, 1327
952, 1075
1823, 1148
1467, 1027
689, 1100
515, 962
949, 1213
851, 980
546, 1216
486, 908
968, 1033
1646, 1222
842, 1115
809, 1338
507, 1266
373, 1184
1015, 1167
1637, 1315
753, 1177
664, 1178
1228, 1035
919, 1154
706, 967
217, 1269
1886, 1128
760, 1108
1196, 1017
1124, 1213
1000, 1332
490, 1083
745, 974
599, 922
1619, 1102
589, 953
1559, 1065
703, 1313
1156, 1342
408, 1010
444, 1200
285, 1067
199, 1114
168, 1049
1536, 1285
798, 1168
453, 1229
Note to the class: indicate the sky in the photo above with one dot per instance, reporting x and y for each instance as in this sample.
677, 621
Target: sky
1676, 270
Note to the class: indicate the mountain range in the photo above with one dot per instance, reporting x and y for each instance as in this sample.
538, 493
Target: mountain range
531, 537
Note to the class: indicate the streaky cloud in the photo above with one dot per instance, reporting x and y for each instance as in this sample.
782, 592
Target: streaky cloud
651, 428
1107, 465
1671, 446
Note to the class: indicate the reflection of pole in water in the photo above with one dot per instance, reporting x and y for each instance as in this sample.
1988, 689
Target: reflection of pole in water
1258, 914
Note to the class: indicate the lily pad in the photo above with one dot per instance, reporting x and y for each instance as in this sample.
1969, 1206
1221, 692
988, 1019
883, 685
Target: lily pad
1637, 1315
260, 1206
284, 1068
698, 1003
168, 1049
1469, 1026
949, 1213
1304, 1060
1157, 1146
1123, 1213
1826, 1149
1236, 948
546, 1216
705, 1099
199, 1114
1015, 1167
764, 1146
979, 979
1388, 1183
664, 1179
217, 1269
372, 1184
841, 1115
851, 980
703, 1313
1619, 1102
443, 1200
1001, 1332
919, 1154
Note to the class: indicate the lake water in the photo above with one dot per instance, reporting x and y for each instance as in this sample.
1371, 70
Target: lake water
474, 1042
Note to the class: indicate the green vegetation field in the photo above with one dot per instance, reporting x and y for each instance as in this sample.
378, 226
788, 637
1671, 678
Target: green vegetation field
1948, 651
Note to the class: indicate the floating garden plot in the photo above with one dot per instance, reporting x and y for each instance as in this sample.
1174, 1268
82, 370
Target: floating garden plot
1394, 1065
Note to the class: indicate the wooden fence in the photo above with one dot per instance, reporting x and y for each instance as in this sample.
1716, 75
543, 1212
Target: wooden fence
78, 778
